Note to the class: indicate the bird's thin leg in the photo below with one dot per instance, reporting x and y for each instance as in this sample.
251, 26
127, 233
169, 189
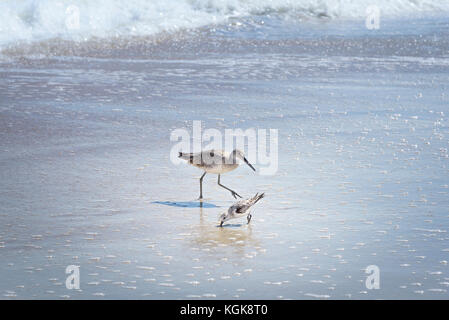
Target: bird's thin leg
248, 218
234, 194
201, 186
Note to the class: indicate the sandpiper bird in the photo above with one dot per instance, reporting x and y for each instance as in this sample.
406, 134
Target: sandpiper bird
215, 161
239, 209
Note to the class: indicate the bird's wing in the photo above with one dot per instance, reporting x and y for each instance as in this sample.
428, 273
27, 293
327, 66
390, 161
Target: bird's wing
197, 157
244, 205
241, 206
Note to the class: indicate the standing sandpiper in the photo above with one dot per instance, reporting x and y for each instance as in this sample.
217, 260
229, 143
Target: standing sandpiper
215, 161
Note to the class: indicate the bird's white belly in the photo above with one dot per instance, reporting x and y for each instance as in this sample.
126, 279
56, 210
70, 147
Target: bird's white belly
235, 216
220, 168
238, 215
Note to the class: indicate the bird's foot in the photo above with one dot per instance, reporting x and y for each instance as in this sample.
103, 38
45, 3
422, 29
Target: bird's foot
235, 194
248, 218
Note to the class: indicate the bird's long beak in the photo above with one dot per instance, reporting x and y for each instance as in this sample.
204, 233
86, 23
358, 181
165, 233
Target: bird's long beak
249, 164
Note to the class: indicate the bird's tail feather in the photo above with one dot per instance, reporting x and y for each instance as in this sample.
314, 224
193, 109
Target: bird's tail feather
185, 155
258, 196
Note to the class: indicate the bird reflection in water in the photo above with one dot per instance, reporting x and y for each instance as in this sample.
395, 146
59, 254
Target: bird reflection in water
210, 235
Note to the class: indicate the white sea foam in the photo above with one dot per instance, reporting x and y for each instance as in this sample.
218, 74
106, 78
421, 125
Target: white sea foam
37, 20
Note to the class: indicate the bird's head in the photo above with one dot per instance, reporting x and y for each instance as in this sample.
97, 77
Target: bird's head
239, 154
222, 218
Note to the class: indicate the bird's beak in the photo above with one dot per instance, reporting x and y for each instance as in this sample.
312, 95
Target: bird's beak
249, 164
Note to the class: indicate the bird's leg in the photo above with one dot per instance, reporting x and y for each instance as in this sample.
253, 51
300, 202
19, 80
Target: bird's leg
201, 186
221, 223
234, 194
248, 217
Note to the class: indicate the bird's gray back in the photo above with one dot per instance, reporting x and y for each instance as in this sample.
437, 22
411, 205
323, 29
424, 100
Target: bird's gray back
243, 205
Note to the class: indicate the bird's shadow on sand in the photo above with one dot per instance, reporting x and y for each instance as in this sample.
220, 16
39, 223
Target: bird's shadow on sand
187, 204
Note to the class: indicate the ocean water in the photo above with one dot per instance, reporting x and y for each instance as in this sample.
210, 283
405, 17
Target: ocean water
86, 178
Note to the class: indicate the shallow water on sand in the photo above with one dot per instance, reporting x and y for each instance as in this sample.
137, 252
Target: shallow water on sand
363, 170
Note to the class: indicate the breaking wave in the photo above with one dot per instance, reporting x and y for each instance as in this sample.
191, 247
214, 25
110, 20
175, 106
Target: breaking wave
29, 21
